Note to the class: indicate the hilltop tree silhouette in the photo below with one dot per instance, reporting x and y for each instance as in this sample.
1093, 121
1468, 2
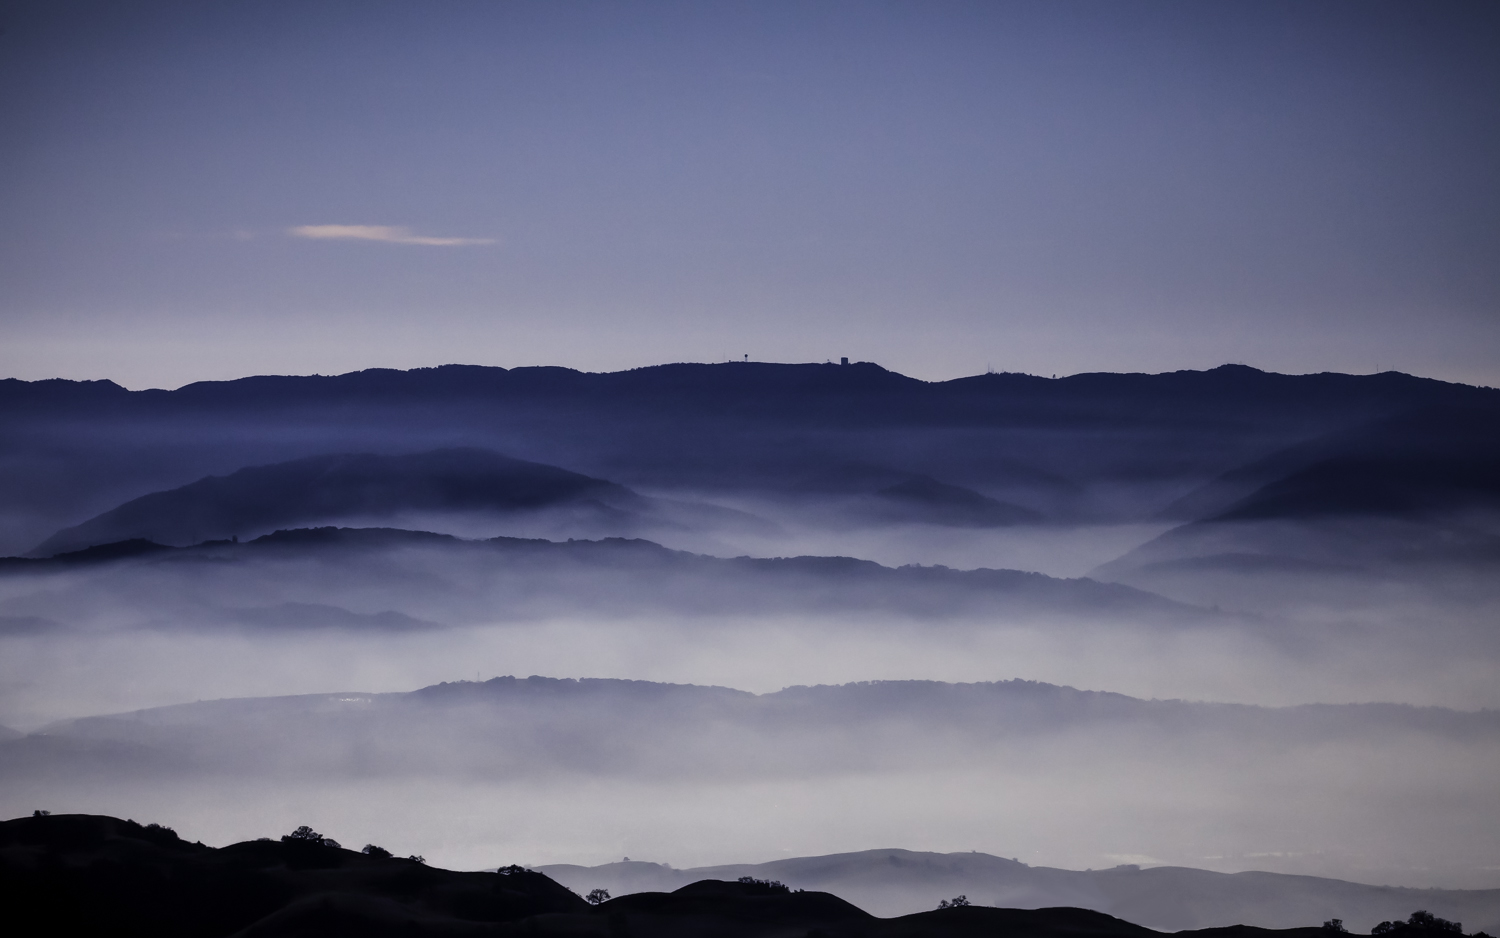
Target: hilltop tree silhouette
1421, 921
306, 835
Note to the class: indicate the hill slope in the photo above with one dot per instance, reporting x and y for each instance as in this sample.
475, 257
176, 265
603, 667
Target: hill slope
327, 489
1353, 791
893, 882
515, 727
80, 874
1091, 447
439, 578
1413, 498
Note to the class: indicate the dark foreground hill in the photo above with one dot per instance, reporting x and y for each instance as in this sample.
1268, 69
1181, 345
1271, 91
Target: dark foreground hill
89, 874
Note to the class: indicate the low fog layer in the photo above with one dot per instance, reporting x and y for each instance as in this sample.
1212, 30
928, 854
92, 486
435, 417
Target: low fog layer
302, 611
540, 770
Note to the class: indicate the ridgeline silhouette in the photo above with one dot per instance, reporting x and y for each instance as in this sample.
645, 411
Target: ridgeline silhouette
89, 874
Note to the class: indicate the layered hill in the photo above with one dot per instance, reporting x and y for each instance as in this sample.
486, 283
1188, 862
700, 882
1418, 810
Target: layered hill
339, 488
79, 874
923, 498
1355, 790
438, 578
1415, 497
509, 726
1085, 448
1432, 461
892, 882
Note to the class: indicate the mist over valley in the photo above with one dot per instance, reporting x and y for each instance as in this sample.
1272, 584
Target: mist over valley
750, 470
1223, 621
545, 770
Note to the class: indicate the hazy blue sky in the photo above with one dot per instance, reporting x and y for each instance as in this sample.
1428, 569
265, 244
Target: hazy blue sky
938, 186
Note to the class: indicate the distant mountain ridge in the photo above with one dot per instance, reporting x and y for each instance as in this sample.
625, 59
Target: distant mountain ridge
505, 578
517, 717
1084, 448
322, 489
764, 387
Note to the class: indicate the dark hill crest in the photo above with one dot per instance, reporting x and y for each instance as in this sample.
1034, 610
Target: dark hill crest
333, 487
87, 874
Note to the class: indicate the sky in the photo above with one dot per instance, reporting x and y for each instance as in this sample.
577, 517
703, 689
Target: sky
195, 191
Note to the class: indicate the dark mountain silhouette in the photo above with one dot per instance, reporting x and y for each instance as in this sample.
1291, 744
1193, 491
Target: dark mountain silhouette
923, 498
778, 392
331, 488
1430, 461
111, 550
1083, 448
1217, 495
87, 874
84, 874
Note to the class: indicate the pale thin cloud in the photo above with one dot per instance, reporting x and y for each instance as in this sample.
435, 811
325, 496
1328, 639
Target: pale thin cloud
390, 234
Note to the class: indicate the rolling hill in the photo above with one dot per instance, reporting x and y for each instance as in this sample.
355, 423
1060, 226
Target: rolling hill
1410, 498
1085, 448
892, 882
444, 579
79, 874
338, 488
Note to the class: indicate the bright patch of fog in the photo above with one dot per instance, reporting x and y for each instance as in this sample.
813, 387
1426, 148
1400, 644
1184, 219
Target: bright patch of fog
389, 611
1058, 550
731, 527
44, 678
1378, 806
